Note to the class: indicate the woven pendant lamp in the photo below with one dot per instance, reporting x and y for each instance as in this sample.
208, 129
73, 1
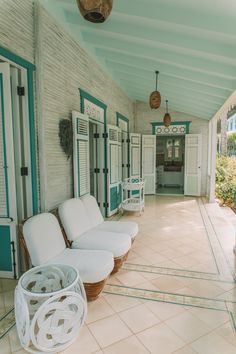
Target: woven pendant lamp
167, 117
95, 11
155, 97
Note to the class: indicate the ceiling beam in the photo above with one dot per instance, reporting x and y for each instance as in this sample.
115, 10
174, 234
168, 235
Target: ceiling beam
145, 63
172, 56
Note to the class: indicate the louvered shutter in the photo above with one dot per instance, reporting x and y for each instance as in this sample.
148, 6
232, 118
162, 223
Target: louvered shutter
149, 163
81, 154
135, 154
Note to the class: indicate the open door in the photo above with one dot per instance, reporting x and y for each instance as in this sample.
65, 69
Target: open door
135, 155
114, 169
149, 163
8, 204
192, 179
81, 154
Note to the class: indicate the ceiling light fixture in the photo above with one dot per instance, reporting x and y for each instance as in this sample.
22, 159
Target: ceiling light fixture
95, 11
167, 117
155, 97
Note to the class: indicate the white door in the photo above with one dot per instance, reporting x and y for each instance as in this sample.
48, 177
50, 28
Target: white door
193, 154
149, 163
81, 154
135, 155
8, 205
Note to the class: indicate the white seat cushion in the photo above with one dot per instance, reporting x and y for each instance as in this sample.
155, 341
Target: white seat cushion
127, 227
117, 244
93, 266
74, 218
43, 237
94, 213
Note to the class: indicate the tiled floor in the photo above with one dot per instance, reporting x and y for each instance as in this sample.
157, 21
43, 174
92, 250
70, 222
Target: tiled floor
175, 294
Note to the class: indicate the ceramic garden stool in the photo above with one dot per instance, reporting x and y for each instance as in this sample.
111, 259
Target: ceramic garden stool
50, 308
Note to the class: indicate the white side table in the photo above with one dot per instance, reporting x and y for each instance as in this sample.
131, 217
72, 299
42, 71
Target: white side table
133, 186
50, 308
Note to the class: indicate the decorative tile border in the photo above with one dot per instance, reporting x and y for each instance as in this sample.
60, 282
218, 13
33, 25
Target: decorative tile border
176, 299
7, 321
177, 272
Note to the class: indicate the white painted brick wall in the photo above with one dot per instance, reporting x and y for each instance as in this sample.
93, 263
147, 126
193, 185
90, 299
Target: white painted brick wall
66, 68
16, 27
144, 116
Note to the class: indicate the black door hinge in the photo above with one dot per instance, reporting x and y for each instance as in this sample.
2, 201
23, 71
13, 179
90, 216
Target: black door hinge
96, 135
24, 171
123, 165
13, 257
128, 140
20, 90
97, 170
128, 165
123, 140
105, 170
106, 205
105, 135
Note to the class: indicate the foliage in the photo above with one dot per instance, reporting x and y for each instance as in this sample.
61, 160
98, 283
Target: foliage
231, 144
226, 180
66, 136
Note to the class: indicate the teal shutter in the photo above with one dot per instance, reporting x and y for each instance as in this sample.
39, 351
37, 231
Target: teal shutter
8, 210
114, 159
81, 154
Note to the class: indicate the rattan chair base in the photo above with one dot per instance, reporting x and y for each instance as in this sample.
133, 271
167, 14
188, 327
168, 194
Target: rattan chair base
118, 262
94, 289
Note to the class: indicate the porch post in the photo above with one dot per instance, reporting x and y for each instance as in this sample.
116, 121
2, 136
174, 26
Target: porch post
212, 160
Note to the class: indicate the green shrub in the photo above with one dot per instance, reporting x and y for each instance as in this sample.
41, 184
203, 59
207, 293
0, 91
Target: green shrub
226, 180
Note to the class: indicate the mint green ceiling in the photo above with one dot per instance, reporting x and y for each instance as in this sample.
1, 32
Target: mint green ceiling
191, 42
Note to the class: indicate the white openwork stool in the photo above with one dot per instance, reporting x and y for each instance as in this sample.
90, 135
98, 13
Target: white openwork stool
50, 308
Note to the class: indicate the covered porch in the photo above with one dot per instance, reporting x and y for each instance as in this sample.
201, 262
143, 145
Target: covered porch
176, 292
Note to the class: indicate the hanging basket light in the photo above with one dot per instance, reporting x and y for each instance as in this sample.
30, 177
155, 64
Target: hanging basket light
155, 97
167, 117
95, 11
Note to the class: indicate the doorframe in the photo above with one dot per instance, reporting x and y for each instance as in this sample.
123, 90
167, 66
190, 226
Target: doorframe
87, 96
21, 63
167, 131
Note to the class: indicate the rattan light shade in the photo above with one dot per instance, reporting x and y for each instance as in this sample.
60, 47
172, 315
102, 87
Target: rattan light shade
95, 11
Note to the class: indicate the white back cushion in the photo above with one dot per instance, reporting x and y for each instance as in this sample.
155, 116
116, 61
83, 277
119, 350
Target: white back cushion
74, 218
43, 237
93, 210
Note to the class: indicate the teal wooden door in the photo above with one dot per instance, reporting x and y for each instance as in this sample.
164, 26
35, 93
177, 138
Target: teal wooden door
114, 163
8, 209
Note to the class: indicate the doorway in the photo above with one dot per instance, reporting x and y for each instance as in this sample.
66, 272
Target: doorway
17, 161
170, 164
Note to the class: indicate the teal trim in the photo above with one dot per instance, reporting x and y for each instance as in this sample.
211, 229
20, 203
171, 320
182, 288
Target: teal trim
16, 59
113, 198
4, 144
5, 249
32, 140
119, 116
156, 124
85, 95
